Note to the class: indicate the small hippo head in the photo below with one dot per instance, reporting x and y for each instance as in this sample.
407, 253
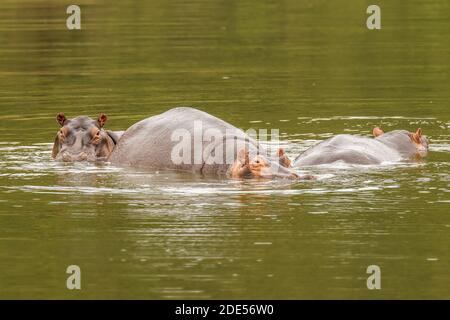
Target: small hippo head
258, 166
419, 141
82, 139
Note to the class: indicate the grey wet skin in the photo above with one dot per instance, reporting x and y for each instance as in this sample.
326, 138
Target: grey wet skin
391, 146
83, 139
149, 144
406, 143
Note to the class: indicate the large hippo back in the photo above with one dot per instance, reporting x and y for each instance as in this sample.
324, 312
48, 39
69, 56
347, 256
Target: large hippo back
400, 141
349, 149
149, 143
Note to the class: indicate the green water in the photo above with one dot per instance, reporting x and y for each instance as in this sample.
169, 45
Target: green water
308, 68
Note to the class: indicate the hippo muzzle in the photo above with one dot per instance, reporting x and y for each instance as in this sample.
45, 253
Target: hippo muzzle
70, 156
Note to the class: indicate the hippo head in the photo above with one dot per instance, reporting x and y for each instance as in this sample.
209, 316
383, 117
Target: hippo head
82, 139
420, 141
258, 166
417, 138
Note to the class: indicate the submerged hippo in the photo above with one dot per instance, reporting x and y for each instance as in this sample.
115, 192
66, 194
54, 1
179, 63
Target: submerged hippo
188, 139
386, 147
182, 138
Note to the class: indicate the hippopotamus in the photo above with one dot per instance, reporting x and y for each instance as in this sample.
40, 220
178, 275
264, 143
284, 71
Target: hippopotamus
188, 139
83, 139
392, 146
183, 138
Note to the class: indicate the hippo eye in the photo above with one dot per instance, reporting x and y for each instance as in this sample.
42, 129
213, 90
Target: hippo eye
257, 161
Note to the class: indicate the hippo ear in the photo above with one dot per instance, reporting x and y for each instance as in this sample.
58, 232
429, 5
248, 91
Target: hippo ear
283, 159
243, 157
241, 166
377, 132
102, 118
61, 119
419, 132
416, 137
55, 150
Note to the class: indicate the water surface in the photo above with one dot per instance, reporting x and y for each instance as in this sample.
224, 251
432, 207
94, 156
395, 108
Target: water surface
308, 68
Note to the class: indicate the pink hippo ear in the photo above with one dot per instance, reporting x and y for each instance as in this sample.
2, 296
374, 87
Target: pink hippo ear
283, 159
416, 137
241, 167
243, 157
102, 118
377, 132
419, 132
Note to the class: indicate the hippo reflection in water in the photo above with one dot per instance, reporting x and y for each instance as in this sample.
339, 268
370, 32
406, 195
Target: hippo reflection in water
154, 143
386, 147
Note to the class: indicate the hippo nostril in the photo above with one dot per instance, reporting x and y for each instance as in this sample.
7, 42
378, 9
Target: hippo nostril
66, 157
82, 156
70, 157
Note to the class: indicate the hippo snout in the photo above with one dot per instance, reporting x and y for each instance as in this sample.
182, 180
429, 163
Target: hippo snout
70, 157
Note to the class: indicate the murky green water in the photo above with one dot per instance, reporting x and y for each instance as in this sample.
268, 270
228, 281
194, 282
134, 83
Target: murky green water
308, 68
